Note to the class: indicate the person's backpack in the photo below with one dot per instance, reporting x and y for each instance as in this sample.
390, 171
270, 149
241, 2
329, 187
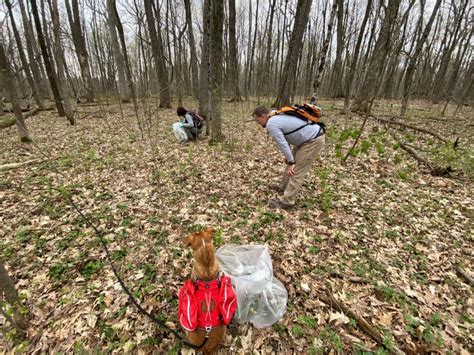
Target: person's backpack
306, 112
198, 121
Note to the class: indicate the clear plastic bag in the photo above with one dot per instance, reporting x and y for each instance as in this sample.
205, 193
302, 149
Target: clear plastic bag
179, 132
261, 298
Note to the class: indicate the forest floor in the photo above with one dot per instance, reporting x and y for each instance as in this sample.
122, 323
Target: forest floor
380, 234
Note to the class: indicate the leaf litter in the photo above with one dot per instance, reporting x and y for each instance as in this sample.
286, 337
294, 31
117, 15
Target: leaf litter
380, 233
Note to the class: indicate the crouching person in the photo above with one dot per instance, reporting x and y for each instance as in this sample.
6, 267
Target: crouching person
190, 123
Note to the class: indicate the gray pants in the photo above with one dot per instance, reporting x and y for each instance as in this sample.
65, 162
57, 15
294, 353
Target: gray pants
304, 155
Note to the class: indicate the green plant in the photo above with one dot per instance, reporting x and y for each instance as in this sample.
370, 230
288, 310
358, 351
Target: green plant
58, 271
379, 147
307, 321
280, 328
365, 146
297, 331
91, 267
326, 196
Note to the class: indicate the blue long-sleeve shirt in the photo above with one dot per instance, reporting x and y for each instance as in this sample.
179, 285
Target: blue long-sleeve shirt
278, 125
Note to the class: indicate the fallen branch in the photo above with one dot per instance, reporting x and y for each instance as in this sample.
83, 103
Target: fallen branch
90, 104
31, 113
405, 125
12, 166
434, 170
91, 114
463, 274
330, 300
11, 121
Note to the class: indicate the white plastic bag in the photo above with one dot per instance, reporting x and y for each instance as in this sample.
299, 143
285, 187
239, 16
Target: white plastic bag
179, 132
261, 298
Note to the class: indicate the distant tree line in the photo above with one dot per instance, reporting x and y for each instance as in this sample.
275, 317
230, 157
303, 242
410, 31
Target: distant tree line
358, 50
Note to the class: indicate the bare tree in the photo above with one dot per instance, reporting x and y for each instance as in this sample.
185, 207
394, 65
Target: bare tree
268, 54
414, 58
123, 86
324, 51
80, 46
53, 80
10, 83
233, 62
24, 61
452, 43
158, 54
34, 54
337, 77
192, 48
60, 63
217, 15
382, 47
355, 58
289, 72
204, 75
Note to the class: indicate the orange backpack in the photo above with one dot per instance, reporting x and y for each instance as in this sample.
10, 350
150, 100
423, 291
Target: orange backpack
307, 112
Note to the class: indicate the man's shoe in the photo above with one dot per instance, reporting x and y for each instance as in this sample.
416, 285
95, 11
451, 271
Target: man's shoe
279, 204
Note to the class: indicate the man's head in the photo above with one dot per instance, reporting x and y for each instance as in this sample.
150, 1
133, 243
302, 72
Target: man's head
261, 114
181, 111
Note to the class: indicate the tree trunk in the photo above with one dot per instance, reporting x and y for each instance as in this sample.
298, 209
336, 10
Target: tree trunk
204, 75
252, 52
123, 87
53, 80
10, 84
217, 15
268, 54
465, 44
382, 47
439, 83
128, 70
338, 76
8, 294
24, 62
393, 64
289, 72
58, 55
233, 62
158, 54
81, 49
33, 53
192, 47
324, 51
413, 59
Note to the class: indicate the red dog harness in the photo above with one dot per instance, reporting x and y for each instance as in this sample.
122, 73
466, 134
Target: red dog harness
206, 304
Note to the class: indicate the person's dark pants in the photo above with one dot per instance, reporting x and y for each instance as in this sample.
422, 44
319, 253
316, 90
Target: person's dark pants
192, 133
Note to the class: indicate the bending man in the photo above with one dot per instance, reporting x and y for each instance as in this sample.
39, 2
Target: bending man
307, 139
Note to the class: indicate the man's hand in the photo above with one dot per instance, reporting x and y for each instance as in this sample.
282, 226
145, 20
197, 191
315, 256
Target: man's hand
291, 170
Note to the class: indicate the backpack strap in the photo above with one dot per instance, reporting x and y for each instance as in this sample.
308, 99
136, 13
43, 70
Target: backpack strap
296, 130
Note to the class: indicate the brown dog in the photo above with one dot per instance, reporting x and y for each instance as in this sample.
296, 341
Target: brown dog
206, 268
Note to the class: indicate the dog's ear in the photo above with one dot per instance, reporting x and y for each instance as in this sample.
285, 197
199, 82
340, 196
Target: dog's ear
207, 234
190, 240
